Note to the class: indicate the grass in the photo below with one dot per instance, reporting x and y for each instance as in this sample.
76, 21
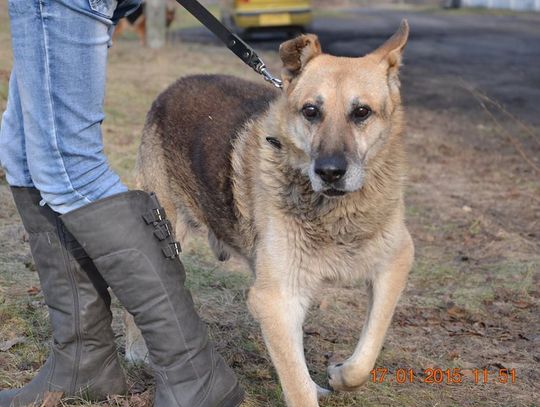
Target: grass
471, 286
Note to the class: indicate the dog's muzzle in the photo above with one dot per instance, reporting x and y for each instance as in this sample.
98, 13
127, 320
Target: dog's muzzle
334, 176
331, 169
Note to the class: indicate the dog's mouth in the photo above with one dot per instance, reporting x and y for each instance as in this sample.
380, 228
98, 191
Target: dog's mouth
332, 192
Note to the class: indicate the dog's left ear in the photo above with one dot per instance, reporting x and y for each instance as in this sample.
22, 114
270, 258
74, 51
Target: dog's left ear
296, 53
391, 52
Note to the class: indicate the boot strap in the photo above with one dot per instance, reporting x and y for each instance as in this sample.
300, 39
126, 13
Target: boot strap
155, 215
172, 250
163, 230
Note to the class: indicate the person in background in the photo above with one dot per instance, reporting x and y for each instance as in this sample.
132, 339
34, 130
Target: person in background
87, 231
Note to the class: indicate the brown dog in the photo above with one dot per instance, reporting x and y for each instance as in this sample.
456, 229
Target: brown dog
306, 185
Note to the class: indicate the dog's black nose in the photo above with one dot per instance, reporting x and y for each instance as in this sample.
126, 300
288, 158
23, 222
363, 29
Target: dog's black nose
332, 168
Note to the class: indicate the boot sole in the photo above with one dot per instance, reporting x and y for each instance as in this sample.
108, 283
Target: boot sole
234, 398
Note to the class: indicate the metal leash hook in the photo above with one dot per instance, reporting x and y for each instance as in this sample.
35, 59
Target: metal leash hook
250, 58
268, 77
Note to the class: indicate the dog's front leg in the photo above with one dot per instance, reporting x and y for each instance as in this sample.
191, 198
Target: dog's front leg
280, 311
384, 291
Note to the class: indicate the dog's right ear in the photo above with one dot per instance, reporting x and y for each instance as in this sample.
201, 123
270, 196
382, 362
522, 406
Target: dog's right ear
296, 53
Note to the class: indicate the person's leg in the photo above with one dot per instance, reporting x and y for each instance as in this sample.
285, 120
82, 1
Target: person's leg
83, 359
67, 165
12, 143
129, 239
60, 57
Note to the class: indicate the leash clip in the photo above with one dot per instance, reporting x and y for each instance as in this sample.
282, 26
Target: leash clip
251, 59
268, 77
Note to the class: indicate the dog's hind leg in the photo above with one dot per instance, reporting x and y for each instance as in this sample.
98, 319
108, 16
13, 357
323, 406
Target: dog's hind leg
218, 247
384, 291
136, 351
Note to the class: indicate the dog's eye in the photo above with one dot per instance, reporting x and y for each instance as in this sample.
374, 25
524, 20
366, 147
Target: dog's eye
311, 112
361, 113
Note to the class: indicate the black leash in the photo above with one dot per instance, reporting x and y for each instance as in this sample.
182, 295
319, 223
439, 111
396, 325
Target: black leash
233, 42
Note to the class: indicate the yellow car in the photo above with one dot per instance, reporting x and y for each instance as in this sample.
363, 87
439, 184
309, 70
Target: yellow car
289, 15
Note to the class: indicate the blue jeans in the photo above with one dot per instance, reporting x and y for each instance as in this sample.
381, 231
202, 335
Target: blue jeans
50, 136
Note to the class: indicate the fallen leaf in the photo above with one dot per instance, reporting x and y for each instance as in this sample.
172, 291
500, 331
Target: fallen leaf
454, 328
52, 399
523, 304
453, 355
498, 365
479, 328
7, 345
506, 336
456, 312
312, 330
33, 291
513, 193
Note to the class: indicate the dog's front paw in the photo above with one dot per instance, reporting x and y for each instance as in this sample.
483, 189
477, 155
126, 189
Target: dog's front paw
346, 377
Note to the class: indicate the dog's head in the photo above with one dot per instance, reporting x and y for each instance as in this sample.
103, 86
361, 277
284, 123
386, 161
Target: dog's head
339, 112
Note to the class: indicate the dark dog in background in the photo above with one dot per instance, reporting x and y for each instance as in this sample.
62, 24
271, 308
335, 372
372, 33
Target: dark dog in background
137, 21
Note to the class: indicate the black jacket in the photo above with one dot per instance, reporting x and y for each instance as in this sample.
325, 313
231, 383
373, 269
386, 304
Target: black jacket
124, 8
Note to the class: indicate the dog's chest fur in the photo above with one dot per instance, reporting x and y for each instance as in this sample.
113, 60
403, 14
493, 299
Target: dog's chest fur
328, 236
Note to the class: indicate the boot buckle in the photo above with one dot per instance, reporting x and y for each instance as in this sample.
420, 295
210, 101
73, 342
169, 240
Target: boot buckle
172, 250
163, 230
154, 216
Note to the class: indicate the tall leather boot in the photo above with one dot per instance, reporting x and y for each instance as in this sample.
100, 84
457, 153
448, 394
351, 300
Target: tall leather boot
83, 360
129, 239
